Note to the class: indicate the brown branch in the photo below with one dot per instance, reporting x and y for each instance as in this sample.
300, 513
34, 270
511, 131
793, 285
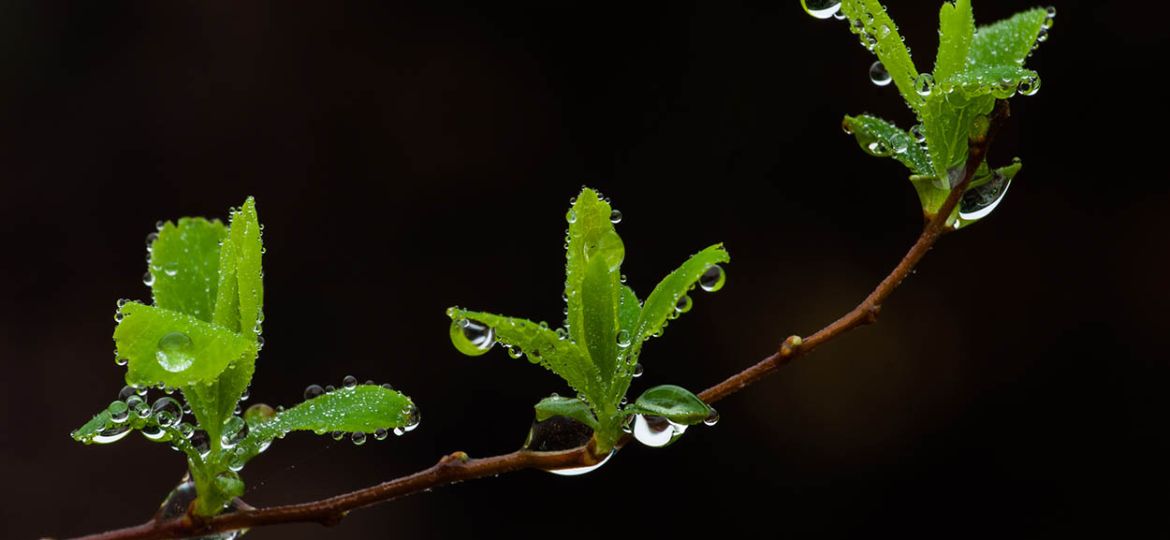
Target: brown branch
458, 467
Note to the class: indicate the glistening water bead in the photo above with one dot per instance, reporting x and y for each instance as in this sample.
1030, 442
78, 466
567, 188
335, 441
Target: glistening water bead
656, 431
167, 412
878, 74
313, 390
174, 352
821, 9
713, 278
472, 337
578, 471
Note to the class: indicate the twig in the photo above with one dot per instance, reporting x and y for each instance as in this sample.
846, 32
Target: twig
458, 467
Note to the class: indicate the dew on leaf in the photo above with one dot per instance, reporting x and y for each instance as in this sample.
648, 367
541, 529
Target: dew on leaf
924, 84
313, 390
358, 438
234, 431
349, 381
713, 278
578, 471
683, 304
119, 411
166, 412
878, 74
656, 431
472, 337
821, 9
111, 433
174, 352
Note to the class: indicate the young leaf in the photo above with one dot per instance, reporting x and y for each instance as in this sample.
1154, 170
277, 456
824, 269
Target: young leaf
184, 262
932, 192
1009, 41
674, 403
878, 33
599, 309
946, 120
248, 248
543, 346
568, 407
175, 349
880, 138
364, 408
665, 296
956, 28
93, 428
591, 235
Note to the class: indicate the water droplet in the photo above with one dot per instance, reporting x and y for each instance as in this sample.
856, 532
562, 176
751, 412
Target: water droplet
174, 352
313, 390
878, 74
358, 438
259, 342
656, 431
329, 388
562, 334
615, 216
924, 84
140, 407
571, 216
578, 471
623, 338
1029, 86
381, 434
472, 337
821, 9
349, 381
258, 413
638, 369
153, 432
684, 304
1043, 35
150, 238
411, 417
713, 278
979, 202
201, 442
119, 411
916, 132
237, 462
878, 148
167, 412
337, 435
234, 431
1051, 12
148, 279
388, 386
111, 433
186, 430
712, 417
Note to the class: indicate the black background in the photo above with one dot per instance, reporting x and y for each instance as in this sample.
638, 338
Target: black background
409, 157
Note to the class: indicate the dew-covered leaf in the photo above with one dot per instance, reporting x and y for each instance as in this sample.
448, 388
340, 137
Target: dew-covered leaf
591, 235
947, 120
629, 308
956, 28
1001, 81
665, 297
184, 262
568, 407
1009, 41
92, 428
542, 345
870, 22
599, 308
880, 138
175, 349
364, 408
674, 403
247, 248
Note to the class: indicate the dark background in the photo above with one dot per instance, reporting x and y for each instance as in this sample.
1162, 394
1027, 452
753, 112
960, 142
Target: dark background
409, 157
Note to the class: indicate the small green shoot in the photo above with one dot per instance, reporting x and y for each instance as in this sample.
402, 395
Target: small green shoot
202, 336
973, 68
596, 350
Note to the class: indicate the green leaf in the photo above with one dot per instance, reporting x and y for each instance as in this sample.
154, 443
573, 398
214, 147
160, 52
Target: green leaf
1009, 41
248, 248
932, 193
674, 403
184, 263
629, 309
364, 408
869, 20
175, 349
947, 119
660, 305
956, 28
880, 138
591, 235
599, 309
88, 432
568, 407
999, 81
543, 346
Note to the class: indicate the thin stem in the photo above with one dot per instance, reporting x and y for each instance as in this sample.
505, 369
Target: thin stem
458, 467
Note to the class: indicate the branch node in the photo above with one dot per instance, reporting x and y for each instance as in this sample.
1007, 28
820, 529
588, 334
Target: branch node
454, 458
331, 520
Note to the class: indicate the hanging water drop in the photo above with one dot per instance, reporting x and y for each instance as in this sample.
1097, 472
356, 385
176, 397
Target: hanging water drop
201, 442
713, 278
174, 352
878, 148
878, 74
380, 434
337, 435
472, 337
821, 9
571, 216
924, 84
234, 431
313, 390
979, 202
167, 412
712, 417
1029, 85
119, 411
515, 352
916, 132
358, 438
148, 279
562, 334
153, 432
259, 413
578, 471
637, 372
411, 418
654, 431
623, 338
111, 433
237, 462
615, 216
349, 381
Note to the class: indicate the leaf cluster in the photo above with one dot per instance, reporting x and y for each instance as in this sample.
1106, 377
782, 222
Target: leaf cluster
597, 349
201, 336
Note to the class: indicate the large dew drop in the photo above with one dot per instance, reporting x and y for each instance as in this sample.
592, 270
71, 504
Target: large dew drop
112, 433
979, 202
878, 74
472, 337
174, 352
578, 471
656, 431
821, 9
167, 412
713, 278
234, 431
